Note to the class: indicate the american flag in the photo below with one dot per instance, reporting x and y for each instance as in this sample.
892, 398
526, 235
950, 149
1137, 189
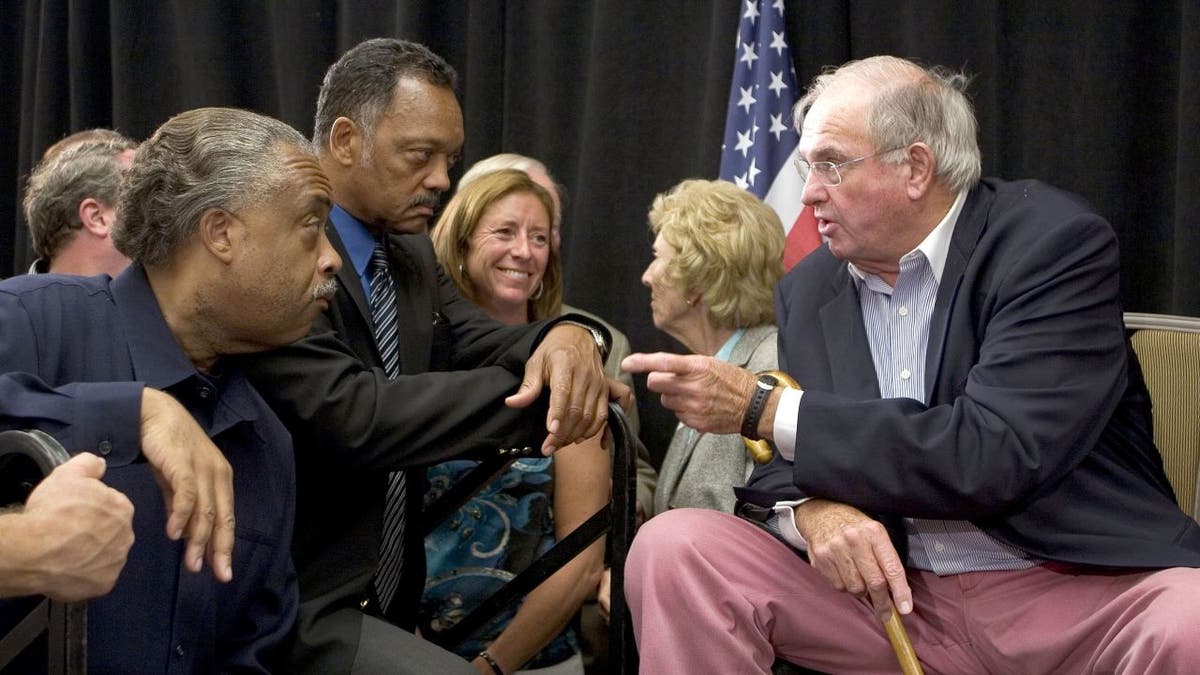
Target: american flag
759, 137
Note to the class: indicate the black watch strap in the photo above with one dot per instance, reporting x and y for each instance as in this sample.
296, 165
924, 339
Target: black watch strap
758, 403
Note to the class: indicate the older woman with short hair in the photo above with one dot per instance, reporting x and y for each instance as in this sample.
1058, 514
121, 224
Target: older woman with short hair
494, 241
717, 258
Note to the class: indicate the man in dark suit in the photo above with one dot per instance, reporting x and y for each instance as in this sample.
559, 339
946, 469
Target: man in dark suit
972, 442
367, 409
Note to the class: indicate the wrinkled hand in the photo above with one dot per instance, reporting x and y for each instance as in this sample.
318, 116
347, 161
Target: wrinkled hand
567, 362
854, 553
604, 594
86, 526
196, 482
705, 393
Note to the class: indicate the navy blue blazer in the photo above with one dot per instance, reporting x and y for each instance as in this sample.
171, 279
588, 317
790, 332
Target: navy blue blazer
1038, 426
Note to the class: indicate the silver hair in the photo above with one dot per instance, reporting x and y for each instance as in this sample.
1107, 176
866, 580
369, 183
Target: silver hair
85, 169
201, 159
912, 103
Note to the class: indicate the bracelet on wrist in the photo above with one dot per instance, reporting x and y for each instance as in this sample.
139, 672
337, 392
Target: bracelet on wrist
487, 658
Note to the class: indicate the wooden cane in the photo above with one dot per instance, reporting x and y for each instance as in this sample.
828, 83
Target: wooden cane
901, 645
760, 450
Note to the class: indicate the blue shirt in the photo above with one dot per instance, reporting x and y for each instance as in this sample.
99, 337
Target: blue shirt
87, 346
359, 243
897, 323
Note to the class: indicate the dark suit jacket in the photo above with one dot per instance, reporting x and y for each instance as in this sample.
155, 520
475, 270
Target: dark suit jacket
352, 426
1037, 427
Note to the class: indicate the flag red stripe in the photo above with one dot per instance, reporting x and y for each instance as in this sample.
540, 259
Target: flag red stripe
802, 239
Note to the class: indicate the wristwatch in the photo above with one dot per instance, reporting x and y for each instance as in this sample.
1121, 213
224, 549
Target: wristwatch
758, 402
597, 337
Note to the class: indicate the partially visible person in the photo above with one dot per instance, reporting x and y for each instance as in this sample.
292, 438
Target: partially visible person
70, 204
620, 344
71, 538
97, 134
593, 617
223, 214
972, 445
495, 241
718, 254
401, 371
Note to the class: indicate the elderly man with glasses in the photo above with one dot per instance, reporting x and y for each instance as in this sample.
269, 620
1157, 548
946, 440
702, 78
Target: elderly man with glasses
970, 444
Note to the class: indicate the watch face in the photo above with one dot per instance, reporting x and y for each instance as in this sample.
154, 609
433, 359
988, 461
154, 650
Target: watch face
768, 381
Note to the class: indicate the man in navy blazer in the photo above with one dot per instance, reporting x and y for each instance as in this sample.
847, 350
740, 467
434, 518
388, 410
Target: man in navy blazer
971, 442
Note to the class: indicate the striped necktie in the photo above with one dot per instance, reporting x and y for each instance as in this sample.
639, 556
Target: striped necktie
383, 311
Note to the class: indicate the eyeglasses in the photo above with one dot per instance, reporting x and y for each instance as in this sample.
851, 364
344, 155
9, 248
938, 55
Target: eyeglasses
828, 173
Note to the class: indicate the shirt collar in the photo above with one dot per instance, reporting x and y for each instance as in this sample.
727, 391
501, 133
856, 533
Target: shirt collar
160, 362
936, 244
357, 239
726, 350
157, 357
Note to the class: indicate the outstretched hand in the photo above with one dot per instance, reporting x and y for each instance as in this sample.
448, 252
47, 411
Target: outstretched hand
567, 362
854, 553
705, 393
196, 482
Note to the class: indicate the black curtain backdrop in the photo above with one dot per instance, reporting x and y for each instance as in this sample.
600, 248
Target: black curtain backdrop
624, 99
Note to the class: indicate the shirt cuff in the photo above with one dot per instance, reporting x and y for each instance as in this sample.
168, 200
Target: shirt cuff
107, 420
787, 414
786, 521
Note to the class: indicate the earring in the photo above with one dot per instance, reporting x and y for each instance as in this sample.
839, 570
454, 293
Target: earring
460, 270
538, 293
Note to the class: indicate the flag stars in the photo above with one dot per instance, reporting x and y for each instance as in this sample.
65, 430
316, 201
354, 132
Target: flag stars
778, 43
744, 143
751, 10
747, 98
777, 125
740, 181
777, 84
753, 171
748, 54
778, 5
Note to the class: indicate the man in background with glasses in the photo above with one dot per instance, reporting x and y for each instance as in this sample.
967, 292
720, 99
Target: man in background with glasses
971, 443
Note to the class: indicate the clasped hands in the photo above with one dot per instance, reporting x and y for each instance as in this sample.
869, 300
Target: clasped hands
568, 363
846, 546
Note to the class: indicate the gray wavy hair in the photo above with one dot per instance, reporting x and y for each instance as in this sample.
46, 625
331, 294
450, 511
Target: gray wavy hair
199, 160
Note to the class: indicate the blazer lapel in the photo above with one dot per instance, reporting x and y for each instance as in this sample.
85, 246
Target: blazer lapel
348, 278
966, 235
852, 372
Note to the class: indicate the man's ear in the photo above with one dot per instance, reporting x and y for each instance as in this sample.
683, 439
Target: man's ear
91, 215
922, 167
219, 232
345, 141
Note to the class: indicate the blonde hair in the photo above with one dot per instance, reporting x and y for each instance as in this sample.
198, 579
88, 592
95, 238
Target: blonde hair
452, 235
512, 160
728, 247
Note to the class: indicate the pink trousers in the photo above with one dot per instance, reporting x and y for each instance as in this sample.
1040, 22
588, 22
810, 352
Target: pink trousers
711, 593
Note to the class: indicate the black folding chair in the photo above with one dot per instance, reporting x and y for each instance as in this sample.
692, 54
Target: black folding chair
615, 518
26, 457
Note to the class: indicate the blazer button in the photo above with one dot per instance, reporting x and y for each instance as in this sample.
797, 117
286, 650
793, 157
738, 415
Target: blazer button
364, 603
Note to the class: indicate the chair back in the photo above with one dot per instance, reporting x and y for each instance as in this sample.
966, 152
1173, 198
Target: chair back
26, 457
1168, 348
615, 518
